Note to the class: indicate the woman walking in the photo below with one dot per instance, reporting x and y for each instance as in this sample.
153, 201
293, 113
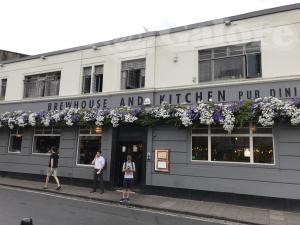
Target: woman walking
52, 168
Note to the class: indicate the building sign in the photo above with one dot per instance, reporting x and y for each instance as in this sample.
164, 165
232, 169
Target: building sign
162, 160
229, 93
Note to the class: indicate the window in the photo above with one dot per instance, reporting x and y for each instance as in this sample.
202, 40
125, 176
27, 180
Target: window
3, 88
133, 74
15, 141
92, 79
231, 62
42, 85
45, 138
89, 141
247, 144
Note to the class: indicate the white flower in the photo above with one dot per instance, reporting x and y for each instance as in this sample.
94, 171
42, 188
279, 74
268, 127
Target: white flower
206, 113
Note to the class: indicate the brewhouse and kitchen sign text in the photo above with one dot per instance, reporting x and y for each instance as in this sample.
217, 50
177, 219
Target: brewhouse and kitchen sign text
280, 90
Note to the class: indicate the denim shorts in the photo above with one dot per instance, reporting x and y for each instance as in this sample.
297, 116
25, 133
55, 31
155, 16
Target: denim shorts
127, 183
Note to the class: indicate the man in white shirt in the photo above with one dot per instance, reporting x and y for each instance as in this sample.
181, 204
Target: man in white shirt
99, 163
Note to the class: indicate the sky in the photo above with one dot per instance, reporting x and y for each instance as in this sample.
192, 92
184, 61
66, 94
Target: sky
39, 26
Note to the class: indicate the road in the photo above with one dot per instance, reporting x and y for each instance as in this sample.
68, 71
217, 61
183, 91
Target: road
49, 209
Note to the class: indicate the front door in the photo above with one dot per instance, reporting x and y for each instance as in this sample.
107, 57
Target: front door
136, 150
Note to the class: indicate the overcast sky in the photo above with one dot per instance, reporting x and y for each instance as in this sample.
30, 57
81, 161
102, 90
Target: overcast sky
39, 26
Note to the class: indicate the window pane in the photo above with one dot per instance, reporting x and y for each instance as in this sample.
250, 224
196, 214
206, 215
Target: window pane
236, 49
218, 130
204, 71
98, 70
3, 87
203, 130
88, 145
229, 68
199, 148
258, 129
241, 130
98, 80
15, 143
133, 79
86, 84
87, 71
42, 144
263, 150
220, 52
205, 54
253, 47
230, 149
254, 65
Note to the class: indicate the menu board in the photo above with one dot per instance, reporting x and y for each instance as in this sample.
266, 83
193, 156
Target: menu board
162, 160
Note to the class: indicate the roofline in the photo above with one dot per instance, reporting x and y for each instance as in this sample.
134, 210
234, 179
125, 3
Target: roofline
163, 32
3, 50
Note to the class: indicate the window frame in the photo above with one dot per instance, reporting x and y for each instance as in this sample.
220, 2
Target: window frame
251, 135
244, 54
44, 135
125, 74
44, 76
78, 145
1, 88
9, 141
93, 75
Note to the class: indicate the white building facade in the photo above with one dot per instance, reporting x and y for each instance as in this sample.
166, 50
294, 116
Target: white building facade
232, 59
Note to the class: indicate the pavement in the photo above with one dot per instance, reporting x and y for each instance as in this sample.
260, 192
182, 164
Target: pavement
48, 209
220, 211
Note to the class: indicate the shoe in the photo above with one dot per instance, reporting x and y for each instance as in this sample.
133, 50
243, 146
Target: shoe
45, 188
58, 188
122, 200
92, 191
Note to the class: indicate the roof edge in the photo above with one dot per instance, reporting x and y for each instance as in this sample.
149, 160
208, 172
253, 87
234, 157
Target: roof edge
243, 16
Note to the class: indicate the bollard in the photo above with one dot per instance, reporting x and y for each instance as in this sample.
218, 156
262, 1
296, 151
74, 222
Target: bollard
26, 221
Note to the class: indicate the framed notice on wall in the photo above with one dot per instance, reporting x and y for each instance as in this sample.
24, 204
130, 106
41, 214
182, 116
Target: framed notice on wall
162, 160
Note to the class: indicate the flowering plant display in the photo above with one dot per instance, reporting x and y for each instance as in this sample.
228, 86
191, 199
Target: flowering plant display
264, 111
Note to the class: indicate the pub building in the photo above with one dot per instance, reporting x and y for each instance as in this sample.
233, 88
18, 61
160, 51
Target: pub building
242, 57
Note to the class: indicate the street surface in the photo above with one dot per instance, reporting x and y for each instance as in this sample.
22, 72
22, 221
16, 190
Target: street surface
49, 209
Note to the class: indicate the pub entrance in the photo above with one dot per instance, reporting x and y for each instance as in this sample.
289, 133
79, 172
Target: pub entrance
129, 141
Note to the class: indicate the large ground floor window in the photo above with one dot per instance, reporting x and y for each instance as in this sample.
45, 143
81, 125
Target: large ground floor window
15, 140
247, 144
44, 139
89, 141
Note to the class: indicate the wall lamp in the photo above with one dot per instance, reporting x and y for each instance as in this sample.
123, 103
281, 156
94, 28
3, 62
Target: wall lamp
227, 22
95, 48
43, 57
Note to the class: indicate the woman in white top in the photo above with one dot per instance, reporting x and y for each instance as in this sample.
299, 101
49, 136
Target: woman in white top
128, 170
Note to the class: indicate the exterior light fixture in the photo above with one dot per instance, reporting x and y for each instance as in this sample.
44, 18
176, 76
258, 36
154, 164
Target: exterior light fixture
43, 57
147, 101
98, 130
95, 48
227, 22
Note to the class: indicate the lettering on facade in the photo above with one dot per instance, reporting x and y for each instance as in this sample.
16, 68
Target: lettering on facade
179, 97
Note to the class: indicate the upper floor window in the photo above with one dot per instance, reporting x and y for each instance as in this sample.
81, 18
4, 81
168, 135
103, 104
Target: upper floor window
92, 79
3, 88
133, 74
230, 62
41, 85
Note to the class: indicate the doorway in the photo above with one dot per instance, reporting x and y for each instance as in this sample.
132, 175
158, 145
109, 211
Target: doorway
129, 141
135, 149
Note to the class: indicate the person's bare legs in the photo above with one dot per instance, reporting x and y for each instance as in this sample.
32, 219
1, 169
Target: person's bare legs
57, 181
46, 182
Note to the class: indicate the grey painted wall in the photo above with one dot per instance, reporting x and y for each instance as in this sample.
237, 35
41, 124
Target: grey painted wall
280, 180
26, 162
